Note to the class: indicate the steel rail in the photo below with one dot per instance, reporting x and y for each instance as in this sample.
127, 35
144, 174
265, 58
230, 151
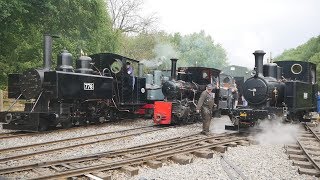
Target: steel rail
12, 135
235, 168
136, 160
69, 139
315, 165
55, 130
135, 149
77, 145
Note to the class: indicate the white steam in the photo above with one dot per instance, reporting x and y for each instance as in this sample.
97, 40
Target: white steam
276, 132
163, 54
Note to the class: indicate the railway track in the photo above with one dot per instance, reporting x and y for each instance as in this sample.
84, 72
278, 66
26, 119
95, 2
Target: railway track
13, 135
15, 153
180, 150
233, 172
306, 153
18, 134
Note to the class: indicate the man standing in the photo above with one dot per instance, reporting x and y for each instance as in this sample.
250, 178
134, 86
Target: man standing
205, 104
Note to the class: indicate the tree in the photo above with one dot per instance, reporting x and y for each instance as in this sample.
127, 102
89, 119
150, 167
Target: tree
309, 51
199, 49
303, 52
156, 49
80, 24
126, 17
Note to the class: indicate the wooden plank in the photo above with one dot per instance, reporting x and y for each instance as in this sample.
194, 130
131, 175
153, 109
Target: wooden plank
132, 171
91, 176
298, 157
232, 144
154, 164
294, 151
203, 154
182, 159
221, 149
311, 172
303, 164
102, 175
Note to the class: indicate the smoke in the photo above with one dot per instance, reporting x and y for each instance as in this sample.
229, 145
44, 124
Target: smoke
218, 124
163, 54
276, 132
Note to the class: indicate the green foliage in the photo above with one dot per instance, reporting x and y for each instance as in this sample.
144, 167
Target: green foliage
197, 49
303, 52
80, 25
309, 51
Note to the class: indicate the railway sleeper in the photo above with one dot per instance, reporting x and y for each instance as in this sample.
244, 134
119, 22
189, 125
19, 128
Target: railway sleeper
220, 149
307, 139
311, 172
294, 151
154, 164
99, 176
303, 164
182, 159
130, 170
292, 146
233, 144
243, 143
314, 153
306, 135
298, 157
207, 154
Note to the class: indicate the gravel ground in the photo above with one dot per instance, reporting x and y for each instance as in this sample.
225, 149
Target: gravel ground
102, 147
83, 131
267, 161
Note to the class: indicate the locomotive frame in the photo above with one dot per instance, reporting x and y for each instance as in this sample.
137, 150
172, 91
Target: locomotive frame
91, 93
284, 89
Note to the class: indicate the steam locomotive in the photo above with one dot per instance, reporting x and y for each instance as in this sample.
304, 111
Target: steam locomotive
284, 89
99, 89
182, 92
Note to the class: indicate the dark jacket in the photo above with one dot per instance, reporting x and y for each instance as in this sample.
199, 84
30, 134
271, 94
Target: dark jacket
206, 100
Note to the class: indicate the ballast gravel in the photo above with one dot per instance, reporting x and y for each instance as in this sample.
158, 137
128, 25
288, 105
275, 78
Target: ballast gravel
267, 161
263, 162
100, 147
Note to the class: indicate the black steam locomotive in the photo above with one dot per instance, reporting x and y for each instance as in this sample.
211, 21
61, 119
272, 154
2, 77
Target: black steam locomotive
284, 89
98, 90
182, 92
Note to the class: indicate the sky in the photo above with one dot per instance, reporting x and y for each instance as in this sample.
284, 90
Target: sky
242, 26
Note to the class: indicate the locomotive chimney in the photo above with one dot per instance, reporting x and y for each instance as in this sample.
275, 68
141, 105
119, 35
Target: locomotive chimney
173, 68
47, 51
140, 69
258, 54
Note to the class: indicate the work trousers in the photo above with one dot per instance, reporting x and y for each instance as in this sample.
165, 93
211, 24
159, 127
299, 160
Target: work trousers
206, 114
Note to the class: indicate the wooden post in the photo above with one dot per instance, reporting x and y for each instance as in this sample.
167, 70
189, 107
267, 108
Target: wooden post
1, 100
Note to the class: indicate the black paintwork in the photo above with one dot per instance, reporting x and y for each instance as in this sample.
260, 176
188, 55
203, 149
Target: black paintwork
296, 94
66, 97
